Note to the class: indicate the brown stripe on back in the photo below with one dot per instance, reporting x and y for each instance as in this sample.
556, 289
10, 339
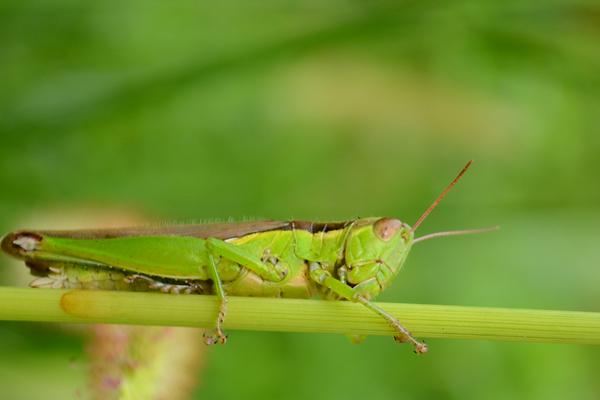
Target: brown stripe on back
314, 227
203, 231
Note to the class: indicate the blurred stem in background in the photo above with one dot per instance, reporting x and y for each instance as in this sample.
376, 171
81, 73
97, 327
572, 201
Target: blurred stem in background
143, 362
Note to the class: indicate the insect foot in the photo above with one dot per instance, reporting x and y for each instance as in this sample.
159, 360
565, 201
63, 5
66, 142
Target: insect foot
420, 347
214, 338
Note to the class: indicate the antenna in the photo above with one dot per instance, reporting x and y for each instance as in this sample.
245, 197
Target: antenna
441, 196
455, 233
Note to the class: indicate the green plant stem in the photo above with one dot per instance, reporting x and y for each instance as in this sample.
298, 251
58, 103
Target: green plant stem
292, 315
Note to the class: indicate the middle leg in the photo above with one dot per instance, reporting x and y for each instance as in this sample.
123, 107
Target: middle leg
217, 337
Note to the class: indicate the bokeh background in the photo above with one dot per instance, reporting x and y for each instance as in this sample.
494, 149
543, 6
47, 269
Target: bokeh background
193, 111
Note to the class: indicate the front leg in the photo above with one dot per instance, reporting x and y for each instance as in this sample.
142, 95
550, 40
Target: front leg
323, 277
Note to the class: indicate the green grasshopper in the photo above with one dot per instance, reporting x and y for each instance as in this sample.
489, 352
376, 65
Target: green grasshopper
352, 260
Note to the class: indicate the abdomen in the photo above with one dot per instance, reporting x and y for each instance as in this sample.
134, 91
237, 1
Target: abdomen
298, 285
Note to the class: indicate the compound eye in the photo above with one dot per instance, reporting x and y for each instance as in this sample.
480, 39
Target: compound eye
386, 228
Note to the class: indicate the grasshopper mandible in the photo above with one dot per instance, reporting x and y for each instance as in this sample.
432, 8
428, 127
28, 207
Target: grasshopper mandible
351, 260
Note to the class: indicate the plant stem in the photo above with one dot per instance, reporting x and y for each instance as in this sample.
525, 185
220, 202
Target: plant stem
293, 315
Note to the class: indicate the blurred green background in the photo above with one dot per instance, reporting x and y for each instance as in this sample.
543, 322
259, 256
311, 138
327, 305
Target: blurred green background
191, 111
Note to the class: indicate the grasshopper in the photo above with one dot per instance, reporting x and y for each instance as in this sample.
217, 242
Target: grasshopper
350, 260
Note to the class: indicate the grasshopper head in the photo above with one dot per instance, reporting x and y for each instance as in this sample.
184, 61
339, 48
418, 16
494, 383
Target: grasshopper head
395, 239
376, 249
